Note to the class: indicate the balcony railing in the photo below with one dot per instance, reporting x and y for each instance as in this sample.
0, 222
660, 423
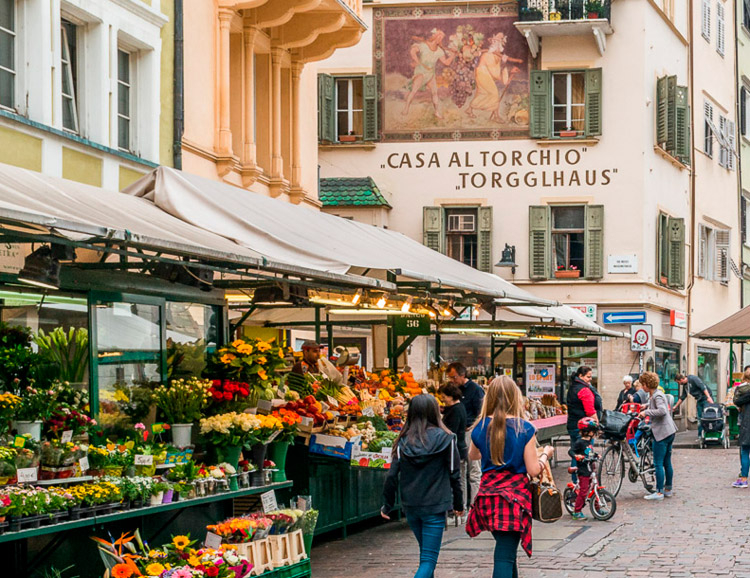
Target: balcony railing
563, 10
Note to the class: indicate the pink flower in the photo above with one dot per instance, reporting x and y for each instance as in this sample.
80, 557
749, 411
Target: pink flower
182, 573
139, 426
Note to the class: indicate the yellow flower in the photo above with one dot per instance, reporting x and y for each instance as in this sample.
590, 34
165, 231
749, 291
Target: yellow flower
281, 353
262, 374
121, 396
180, 542
262, 360
227, 358
155, 569
263, 346
238, 342
245, 349
194, 561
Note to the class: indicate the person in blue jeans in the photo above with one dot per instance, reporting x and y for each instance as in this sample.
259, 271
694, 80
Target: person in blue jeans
742, 401
694, 385
663, 429
426, 468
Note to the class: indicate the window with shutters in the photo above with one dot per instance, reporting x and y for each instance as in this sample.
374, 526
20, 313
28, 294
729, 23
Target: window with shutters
566, 238
566, 104
726, 143
673, 118
746, 14
745, 218
744, 97
347, 108
713, 254
462, 233
720, 27
671, 251
69, 68
8, 54
708, 135
461, 240
706, 19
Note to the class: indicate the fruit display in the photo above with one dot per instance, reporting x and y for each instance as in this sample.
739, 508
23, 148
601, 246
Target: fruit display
307, 407
412, 387
301, 384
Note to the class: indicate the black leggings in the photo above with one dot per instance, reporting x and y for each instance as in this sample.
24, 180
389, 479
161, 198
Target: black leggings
506, 549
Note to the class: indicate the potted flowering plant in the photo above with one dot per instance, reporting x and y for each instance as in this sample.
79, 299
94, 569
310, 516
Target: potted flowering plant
36, 406
66, 418
9, 405
157, 492
182, 404
594, 9
572, 272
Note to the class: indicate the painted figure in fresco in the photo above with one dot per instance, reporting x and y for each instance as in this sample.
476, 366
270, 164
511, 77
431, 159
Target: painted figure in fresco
425, 55
492, 68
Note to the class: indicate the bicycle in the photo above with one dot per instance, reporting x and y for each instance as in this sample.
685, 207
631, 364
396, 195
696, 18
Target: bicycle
601, 501
639, 457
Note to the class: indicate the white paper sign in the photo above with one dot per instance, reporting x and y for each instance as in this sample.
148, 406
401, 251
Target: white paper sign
265, 405
307, 421
213, 541
67, 436
273, 436
622, 264
332, 401
269, 502
84, 464
368, 411
144, 460
26, 475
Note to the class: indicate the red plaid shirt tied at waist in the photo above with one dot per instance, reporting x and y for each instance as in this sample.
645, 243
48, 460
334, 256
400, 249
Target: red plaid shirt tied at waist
503, 504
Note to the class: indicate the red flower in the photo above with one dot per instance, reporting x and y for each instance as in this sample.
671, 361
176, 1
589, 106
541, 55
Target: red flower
218, 395
244, 392
228, 396
212, 571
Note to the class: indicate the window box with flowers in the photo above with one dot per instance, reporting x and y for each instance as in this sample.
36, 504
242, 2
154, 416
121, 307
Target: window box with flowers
572, 273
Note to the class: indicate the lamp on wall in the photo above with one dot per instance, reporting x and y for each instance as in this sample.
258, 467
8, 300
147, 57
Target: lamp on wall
508, 258
42, 267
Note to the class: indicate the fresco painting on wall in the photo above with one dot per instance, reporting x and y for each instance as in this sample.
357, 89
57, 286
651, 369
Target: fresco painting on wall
451, 73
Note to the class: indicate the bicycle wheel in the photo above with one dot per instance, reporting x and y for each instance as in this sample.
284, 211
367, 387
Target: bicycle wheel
603, 506
647, 470
569, 500
612, 469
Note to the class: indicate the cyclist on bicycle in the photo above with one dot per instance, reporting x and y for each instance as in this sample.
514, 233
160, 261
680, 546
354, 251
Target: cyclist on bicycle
583, 453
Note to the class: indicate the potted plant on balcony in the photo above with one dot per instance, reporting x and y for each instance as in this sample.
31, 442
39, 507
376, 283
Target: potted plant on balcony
561, 11
572, 272
531, 14
594, 9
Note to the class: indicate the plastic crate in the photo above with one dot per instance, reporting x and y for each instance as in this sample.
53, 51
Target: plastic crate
299, 570
333, 446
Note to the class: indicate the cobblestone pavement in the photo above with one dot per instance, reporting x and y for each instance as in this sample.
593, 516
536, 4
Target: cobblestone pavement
701, 531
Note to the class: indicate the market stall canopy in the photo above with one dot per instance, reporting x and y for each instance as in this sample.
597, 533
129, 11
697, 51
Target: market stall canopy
86, 214
290, 233
565, 316
736, 327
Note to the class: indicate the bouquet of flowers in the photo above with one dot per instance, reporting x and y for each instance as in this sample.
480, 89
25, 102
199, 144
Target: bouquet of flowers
289, 422
270, 426
183, 400
309, 521
228, 395
56, 453
235, 530
231, 429
9, 406
65, 418
36, 404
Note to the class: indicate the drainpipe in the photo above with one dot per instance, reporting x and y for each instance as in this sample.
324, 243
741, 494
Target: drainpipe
179, 86
691, 268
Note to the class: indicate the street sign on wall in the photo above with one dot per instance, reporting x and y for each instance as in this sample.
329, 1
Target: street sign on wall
677, 318
588, 309
623, 317
641, 338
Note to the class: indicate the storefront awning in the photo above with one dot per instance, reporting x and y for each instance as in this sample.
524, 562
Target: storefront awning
736, 327
565, 316
34, 204
289, 233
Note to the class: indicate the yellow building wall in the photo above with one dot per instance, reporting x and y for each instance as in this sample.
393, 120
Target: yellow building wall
166, 117
21, 150
128, 176
80, 167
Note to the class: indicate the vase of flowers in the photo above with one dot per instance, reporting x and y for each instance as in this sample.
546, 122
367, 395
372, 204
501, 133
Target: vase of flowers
182, 404
278, 449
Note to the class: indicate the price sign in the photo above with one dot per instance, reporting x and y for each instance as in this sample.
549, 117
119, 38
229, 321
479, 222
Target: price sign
213, 541
253, 410
307, 421
67, 436
265, 405
273, 436
84, 464
26, 475
332, 401
144, 460
269, 502
368, 411
19, 441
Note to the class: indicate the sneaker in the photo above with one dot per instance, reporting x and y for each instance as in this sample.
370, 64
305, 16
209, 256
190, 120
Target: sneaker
654, 496
579, 516
740, 483
668, 493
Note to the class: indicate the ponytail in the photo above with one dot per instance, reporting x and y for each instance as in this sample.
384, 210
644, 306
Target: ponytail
497, 436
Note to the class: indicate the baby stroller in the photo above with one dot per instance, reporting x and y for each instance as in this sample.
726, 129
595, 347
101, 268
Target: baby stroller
714, 426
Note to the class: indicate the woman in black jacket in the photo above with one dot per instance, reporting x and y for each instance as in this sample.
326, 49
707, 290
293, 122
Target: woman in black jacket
742, 401
426, 468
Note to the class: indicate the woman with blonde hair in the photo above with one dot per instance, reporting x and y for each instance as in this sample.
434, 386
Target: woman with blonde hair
506, 445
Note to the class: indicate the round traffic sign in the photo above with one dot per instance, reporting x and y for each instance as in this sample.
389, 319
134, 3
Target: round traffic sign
641, 337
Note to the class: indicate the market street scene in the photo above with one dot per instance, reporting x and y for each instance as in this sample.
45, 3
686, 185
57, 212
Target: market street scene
409, 288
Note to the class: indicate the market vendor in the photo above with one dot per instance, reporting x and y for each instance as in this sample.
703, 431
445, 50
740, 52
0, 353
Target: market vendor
310, 358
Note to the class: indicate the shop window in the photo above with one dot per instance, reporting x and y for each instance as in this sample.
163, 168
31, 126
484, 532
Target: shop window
713, 254
671, 251
124, 100
667, 366
472, 352
672, 118
708, 369
347, 108
192, 335
465, 234
69, 70
566, 104
8, 53
577, 356
566, 238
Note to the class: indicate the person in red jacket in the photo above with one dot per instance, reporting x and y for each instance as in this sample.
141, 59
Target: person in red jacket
583, 401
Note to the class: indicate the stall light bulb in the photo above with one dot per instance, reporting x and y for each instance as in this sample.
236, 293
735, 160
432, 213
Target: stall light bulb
406, 307
382, 301
357, 297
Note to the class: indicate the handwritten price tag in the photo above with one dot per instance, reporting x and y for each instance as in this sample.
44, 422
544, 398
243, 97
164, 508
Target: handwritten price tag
144, 460
67, 436
265, 405
368, 411
307, 421
332, 401
269, 502
84, 464
213, 541
26, 475
273, 436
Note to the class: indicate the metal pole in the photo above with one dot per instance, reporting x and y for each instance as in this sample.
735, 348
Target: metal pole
329, 332
640, 362
317, 324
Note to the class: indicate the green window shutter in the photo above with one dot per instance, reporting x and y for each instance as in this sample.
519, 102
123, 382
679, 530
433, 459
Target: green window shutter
670, 145
540, 100
370, 93
326, 112
594, 102
662, 108
676, 259
539, 254
593, 241
682, 124
433, 228
484, 239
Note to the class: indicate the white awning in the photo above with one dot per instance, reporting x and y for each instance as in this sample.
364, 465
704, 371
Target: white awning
295, 234
84, 213
566, 316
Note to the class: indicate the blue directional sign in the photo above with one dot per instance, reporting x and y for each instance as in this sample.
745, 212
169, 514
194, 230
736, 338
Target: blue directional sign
613, 317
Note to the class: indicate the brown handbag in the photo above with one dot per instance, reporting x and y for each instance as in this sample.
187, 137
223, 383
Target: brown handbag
546, 500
